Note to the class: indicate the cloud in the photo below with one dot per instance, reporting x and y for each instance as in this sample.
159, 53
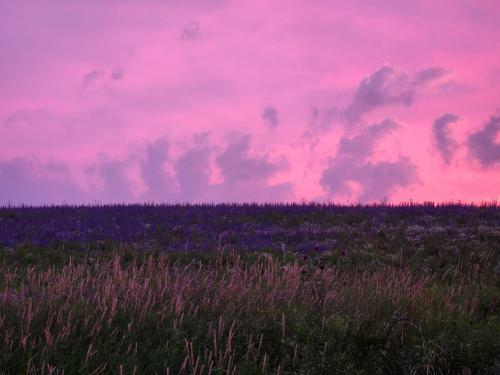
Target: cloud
100, 78
160, 185
483, 145
351, 165
428, 75
389, 86
237, 165
116, 183
362, 145
191, 30
446, 145
30, 182
320, 122
115, 186
377, 180
117, 74
386, 86
91, 78
270, 115
193, 172
246, 176
28, 117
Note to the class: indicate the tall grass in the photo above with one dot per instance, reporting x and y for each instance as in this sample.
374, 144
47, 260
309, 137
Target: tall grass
238, 314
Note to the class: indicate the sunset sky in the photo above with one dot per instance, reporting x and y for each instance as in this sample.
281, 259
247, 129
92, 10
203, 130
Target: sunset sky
262, 100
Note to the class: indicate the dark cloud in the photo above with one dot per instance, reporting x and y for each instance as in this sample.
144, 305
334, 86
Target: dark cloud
237, 165
388, 86
482, 144
160, 185
114, 176
380, 179
29, 182
350, 165
377, 180
320, 122
446, 145
428, 75
117, 74
270, 115
28, 117
361, 146
99, 78
115, 186
191, 30
193, 172
245, 177
91, 78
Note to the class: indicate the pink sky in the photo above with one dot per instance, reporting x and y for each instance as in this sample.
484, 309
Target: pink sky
261, 100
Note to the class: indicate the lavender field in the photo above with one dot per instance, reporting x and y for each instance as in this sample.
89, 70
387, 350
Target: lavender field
250, 289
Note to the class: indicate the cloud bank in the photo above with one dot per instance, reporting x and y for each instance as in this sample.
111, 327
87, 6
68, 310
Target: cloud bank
245, 177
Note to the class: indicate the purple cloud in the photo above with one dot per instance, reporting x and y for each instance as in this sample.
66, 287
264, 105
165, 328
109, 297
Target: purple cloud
237, 165
117, 74
28, 117
388, 86
193, 172
115, 186
246, 177
98, 78
29, 182
191, 30
320, 122
377, 180
270, 116
114, 176
160, 185
483, 145
350, 165
446, 145
361, 146
91, 78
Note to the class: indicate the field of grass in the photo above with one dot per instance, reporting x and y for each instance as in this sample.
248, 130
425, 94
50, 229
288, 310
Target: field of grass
380, 290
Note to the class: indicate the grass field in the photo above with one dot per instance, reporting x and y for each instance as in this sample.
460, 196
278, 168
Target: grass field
330, 290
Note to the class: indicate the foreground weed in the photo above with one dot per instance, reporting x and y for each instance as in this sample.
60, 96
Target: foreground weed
238, 314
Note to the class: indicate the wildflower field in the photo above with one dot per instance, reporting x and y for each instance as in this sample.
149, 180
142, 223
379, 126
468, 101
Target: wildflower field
250, 289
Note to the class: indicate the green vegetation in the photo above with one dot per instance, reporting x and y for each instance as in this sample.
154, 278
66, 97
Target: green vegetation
358, 310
